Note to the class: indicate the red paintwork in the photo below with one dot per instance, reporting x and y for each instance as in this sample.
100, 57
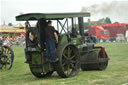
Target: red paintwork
102, 51
95, 31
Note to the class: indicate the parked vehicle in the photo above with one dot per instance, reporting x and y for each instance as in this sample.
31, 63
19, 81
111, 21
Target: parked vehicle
99, 32
113, 30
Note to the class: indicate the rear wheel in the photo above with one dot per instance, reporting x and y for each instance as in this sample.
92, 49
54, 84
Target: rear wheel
69, 58
41, 75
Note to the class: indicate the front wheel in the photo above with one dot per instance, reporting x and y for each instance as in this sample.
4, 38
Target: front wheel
104, 62
69, 61
101, 65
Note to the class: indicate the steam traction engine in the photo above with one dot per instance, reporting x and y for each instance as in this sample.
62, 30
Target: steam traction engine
71, 50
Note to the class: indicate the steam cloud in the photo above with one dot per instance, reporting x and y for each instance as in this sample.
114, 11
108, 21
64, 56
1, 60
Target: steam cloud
117, 10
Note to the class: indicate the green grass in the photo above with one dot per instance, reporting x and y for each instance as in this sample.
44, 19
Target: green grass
115, 74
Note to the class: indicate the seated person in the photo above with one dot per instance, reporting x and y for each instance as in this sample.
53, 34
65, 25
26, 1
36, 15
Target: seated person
33, 42
33, 39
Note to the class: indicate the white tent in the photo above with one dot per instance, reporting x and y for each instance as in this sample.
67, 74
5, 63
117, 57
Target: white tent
4, 26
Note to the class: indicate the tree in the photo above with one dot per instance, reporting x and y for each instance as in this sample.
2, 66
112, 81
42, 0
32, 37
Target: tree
107, 20
116, 23
10, 24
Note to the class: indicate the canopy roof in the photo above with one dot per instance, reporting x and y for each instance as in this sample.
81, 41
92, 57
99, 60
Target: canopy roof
50, 16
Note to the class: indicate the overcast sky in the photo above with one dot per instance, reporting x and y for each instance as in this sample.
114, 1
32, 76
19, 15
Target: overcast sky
117, 10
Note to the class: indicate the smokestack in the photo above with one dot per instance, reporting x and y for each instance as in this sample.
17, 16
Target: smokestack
81, 26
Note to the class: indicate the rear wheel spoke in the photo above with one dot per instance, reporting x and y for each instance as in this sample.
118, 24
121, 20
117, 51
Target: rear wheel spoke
73, 61
67, 69
69, 51
73, 57
63, 64
64, 55
72, 65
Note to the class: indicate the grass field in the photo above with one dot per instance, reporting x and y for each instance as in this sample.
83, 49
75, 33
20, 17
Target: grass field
115, 74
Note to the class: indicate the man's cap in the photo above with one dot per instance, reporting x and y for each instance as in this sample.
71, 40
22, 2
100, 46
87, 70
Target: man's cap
49, 22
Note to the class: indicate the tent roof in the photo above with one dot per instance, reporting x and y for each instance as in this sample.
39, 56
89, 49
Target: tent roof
19, 25
4, 26
50, 16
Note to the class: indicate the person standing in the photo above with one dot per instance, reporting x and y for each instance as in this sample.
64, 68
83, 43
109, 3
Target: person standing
51, 40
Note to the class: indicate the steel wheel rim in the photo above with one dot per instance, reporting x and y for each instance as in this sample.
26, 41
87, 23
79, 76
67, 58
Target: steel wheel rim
42, 74
69, 60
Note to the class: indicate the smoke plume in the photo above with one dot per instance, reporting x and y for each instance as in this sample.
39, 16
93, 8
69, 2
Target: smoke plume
117, 10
